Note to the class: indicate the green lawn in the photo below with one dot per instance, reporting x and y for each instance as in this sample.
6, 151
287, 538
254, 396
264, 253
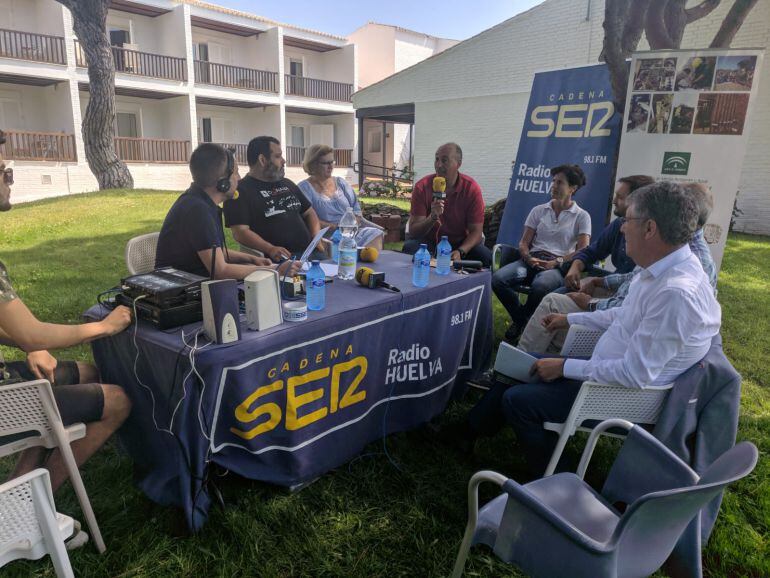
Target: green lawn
367, 518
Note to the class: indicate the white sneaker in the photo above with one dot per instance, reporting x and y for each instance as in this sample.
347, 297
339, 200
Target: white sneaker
78, 539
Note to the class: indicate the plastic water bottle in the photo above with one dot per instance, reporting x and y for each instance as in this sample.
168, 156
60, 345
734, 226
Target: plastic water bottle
315, 287
443, 252
421, 267
336, 238
348, 248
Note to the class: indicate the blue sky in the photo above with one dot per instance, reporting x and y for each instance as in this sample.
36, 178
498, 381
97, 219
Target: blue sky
459, 19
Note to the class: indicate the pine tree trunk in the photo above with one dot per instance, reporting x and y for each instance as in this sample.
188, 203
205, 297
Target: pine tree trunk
90, 23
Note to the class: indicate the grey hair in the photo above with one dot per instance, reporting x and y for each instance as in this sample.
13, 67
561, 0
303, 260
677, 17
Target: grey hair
705, 200
458, 150
673, 208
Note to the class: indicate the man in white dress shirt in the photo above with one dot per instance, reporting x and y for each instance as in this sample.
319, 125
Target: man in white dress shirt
664, 326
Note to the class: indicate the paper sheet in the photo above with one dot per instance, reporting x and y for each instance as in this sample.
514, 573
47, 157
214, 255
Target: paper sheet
311, 247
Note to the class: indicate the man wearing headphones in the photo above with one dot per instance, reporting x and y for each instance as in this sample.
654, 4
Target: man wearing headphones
192, 236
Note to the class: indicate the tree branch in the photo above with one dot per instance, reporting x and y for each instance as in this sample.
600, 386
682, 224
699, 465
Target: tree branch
732, 22
701, 10
655, 26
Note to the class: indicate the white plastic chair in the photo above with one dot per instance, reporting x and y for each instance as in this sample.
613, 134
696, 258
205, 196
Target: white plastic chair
30, 407
30, 526
580, 341
598, 401
140, 253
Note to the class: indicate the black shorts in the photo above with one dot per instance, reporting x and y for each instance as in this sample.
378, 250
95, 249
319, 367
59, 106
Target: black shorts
77, 402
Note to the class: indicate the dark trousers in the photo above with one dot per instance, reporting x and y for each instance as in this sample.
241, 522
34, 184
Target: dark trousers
507, 280
478, 253
525, 407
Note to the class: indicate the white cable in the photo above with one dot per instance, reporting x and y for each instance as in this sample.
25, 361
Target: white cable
136, 371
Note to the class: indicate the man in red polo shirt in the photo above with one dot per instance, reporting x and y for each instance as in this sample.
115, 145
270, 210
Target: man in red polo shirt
460, 216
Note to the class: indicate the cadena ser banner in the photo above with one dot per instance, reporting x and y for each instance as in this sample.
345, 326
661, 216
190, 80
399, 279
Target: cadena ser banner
687, 118
290, 415
571, 119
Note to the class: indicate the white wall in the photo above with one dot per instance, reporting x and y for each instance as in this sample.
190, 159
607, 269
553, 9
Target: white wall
44, 109
412, 47
41, 16
240, 124
60, 108
171, 39
343, 127
337, 65
488, 140
501, 62
376, 54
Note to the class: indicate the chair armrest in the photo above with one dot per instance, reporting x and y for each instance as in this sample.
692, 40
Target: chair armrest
588, 451
497, 251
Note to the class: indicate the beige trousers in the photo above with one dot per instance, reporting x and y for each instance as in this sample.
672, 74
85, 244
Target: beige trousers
536, 338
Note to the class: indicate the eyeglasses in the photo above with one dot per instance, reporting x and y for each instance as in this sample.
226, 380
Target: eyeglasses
8, 176
327, 163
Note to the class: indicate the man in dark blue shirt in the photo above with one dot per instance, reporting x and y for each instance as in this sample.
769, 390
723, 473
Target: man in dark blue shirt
610, 242
192, 237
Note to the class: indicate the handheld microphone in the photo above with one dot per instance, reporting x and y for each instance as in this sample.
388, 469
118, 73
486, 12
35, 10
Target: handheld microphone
371, 279
439, 188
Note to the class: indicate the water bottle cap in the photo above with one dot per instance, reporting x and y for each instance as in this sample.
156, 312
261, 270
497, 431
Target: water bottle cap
423, 245
444, 238
316, 262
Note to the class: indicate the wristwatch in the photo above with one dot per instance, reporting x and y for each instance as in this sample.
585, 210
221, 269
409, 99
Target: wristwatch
592, 304
560, 260
462, 253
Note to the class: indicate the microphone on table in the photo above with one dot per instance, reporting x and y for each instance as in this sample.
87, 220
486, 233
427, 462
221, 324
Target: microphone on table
467, 264
371, 279
439, 188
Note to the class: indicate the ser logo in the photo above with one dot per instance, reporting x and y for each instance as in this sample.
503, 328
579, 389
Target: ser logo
675, 163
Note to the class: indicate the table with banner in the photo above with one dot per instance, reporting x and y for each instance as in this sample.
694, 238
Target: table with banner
289, 403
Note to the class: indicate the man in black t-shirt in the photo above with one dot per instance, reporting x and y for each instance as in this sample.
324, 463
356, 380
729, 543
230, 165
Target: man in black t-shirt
192, 236
271, 214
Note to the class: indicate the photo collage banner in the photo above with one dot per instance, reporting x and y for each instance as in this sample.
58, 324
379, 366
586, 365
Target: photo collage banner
687, 118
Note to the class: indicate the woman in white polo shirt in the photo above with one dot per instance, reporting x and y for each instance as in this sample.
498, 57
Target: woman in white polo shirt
553, 232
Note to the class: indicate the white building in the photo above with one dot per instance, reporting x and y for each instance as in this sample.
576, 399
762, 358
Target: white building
476, 93
187, 72
384, 50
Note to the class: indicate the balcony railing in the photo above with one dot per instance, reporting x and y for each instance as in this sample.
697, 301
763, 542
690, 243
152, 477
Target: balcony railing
343, 157
235, 76
141, 63
22, 145
240, 151
295, 156
152, 150
315, 88
32, 46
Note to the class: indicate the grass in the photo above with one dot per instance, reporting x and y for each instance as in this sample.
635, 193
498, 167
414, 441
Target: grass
366, 518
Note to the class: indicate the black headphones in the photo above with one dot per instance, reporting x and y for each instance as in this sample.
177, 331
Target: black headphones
223, 184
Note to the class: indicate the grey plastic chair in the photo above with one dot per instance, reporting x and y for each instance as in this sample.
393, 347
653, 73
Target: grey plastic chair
560, 526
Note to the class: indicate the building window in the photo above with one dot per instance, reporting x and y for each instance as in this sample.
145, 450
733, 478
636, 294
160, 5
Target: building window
119, 37
126, 124
206, 129
295, 67
298, 136
375, 142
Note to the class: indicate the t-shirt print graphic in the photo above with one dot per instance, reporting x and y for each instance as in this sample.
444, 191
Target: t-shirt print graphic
277, 205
